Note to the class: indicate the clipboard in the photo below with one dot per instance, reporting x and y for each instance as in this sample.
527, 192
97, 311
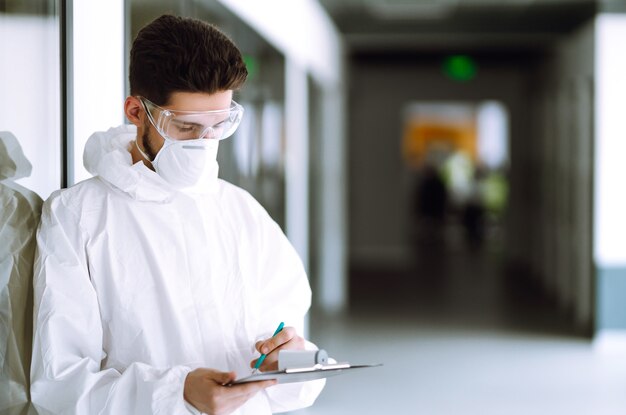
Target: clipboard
303, 374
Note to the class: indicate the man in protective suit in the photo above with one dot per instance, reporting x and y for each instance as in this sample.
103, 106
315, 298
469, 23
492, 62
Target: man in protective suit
157, 284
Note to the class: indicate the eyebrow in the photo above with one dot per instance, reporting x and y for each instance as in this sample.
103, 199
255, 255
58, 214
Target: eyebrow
184, 122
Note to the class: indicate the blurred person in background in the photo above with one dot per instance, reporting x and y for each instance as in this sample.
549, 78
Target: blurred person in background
430, 207
474, 211
156, 283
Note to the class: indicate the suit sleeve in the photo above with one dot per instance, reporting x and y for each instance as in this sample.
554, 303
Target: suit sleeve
66, 373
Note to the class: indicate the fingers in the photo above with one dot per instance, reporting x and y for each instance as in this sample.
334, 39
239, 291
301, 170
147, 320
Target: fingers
270, 362
224, 378
286, 339
205, 389
286, 335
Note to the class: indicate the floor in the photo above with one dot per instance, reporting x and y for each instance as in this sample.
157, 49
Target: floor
458, 335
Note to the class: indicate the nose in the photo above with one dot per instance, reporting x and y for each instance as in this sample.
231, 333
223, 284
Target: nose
209, 133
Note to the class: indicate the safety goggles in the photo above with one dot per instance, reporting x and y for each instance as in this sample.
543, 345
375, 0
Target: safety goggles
192, 125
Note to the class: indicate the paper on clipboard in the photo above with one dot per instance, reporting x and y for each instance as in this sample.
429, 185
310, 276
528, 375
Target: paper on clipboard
303, 374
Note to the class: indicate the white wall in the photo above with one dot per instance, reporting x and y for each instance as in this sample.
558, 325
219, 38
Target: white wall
610, 130
31, 101
610, 170
98, 74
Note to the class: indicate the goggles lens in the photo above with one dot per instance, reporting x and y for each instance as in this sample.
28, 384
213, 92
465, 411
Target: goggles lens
192, 125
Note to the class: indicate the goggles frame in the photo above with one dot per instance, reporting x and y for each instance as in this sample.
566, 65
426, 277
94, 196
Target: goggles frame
182, 125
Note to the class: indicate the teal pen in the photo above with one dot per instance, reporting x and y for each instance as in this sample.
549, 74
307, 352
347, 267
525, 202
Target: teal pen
262, 358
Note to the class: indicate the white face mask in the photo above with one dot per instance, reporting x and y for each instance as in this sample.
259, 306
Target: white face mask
188, 164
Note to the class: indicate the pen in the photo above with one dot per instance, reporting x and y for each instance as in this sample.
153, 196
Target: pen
262, 358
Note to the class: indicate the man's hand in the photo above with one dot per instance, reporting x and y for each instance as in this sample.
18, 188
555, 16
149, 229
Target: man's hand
286, 339
206, 390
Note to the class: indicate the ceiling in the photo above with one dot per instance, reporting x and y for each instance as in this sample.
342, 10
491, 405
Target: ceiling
371, 26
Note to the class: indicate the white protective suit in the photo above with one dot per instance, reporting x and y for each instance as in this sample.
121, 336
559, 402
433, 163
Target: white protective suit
137, 284
19, 216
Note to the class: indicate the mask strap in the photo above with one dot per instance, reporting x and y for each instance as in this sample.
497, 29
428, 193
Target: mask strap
142, 152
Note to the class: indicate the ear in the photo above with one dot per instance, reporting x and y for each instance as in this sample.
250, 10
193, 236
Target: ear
133, 110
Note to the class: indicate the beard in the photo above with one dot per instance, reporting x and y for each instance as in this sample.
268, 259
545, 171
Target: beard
147, 143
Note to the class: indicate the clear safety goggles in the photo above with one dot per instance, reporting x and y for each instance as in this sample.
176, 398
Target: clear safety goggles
192, 125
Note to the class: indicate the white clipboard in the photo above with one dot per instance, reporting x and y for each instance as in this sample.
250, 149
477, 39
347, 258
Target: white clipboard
303, 374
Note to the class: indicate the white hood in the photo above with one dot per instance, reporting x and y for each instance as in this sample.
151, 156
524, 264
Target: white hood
107, 155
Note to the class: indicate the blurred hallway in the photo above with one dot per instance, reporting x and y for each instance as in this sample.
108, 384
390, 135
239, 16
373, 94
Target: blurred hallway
458, 335
452, 285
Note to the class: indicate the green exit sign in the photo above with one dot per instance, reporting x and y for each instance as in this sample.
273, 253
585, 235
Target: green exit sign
460, 68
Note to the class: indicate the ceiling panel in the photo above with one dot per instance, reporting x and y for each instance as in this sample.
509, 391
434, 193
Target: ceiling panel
435, 24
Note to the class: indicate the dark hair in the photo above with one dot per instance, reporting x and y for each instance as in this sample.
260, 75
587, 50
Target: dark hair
179, 54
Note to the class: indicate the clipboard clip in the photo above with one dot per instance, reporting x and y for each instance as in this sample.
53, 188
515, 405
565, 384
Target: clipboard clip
318, 367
